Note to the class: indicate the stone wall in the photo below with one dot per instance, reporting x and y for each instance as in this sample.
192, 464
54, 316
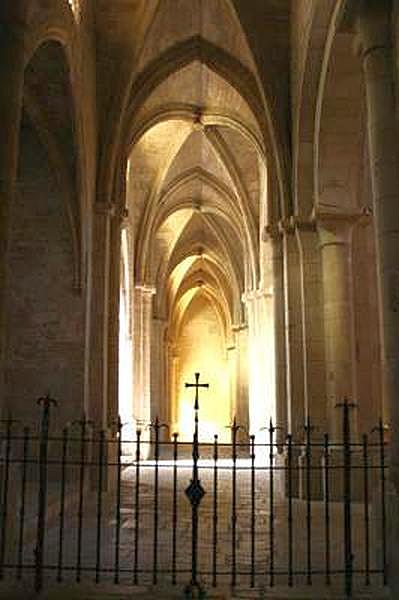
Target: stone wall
45, 316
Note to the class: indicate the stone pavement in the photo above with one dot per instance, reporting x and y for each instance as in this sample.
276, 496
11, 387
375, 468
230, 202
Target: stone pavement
103, 592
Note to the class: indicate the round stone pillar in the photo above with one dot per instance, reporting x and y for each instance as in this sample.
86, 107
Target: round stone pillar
241, 409
312, 323
375, 46
275, 237
142, 353
293, 331
232, 362
159, 399
174, 366
335, 232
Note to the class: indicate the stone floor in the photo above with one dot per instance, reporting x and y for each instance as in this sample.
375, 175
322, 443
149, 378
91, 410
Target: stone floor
261, 556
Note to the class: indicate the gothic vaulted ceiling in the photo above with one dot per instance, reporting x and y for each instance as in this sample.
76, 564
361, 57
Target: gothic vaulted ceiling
194, 119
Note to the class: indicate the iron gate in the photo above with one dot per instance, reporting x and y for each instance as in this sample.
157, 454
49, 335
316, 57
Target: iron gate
83, 504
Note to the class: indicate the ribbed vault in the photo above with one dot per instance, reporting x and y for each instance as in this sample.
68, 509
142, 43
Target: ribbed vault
197, 179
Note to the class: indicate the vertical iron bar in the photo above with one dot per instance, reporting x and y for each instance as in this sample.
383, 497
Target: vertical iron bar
62, 505
101, 442
347, 502
23, 501
195, 493
290, 519
366, 511
137, 509
327, 508
271, 502
81, 494
4, 511
174, 510
156, 499
252, 511
234, 506
194, 511
215, 512
42, 496
118, 503
308, 506
383, 507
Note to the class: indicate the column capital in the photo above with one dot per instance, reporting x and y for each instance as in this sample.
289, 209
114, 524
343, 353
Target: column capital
336, 227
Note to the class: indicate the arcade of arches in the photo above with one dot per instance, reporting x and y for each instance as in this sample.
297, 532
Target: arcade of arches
201, 185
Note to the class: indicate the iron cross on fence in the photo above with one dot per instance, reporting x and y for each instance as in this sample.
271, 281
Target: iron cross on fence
197, 385
195, 493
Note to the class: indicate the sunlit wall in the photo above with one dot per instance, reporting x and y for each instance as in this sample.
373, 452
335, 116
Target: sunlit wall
201, 348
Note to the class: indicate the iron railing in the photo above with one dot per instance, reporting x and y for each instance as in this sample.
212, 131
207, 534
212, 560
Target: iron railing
87, 504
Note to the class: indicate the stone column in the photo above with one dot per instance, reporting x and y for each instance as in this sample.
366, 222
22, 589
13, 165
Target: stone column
313, 349
159, 400
241, 409
11, 99
113, 326
99, 314
261, 357
279, 334
292, 331
142, 353
335, 231
293, 343
375, 46
312, 324
174, 361
232, 365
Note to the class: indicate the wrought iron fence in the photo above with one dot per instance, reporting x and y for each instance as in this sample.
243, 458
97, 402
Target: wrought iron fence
86, 504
